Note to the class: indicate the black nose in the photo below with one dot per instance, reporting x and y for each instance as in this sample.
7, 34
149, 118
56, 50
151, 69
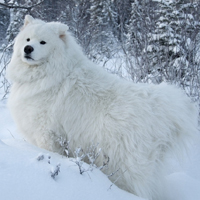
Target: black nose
28, 49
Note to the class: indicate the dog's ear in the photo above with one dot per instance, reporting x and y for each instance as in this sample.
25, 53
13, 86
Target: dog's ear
27, 20
60, 29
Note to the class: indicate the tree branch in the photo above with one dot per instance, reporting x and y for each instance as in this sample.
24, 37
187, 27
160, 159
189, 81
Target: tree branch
21, 7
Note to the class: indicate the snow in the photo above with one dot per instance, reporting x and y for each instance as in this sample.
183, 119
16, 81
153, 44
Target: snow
26, 173
183, 187
24, 177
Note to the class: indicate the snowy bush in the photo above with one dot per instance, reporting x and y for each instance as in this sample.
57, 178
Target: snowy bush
79, 156
55, 170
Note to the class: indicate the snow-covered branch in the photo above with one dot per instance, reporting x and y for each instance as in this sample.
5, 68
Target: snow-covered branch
9, 5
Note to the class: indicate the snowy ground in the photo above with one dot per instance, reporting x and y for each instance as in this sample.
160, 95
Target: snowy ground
24, 177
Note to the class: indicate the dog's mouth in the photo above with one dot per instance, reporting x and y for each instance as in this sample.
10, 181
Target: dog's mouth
28, 57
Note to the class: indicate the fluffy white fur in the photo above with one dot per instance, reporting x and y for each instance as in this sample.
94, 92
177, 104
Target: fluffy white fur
58, 93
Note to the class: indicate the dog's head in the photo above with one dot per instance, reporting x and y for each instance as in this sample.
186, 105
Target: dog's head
43, 51
37, 40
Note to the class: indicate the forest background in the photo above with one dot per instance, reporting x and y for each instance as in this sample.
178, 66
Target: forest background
147, 41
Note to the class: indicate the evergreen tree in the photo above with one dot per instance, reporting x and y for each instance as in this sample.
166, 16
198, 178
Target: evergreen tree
102, 21
168, 49
139, 28
122, 8
165, 43
79, 21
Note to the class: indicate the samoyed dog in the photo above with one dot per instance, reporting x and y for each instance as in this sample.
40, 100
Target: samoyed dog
57, 93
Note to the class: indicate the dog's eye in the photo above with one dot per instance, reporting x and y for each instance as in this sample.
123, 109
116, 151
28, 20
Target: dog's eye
43, 42
28, 39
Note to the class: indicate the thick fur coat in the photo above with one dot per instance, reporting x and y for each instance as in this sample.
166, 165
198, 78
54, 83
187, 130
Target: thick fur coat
57, 93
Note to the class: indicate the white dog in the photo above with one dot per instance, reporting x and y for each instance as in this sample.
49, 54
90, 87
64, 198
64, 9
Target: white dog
58, 93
